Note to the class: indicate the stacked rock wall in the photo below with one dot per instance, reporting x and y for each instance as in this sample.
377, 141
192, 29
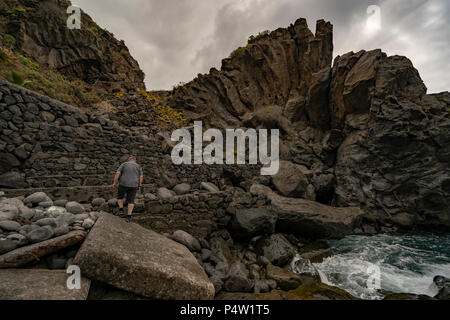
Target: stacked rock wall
198, 213
46, 144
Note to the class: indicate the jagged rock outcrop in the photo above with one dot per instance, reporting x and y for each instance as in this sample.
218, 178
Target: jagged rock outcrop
364, 128
286, 68
310, 219
395, 158
90, 54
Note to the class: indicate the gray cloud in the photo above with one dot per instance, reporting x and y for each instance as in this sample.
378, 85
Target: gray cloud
174, 40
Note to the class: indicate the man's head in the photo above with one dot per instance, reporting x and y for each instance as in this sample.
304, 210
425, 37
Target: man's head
132, 158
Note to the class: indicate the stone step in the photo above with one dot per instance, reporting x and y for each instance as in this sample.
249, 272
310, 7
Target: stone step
82, 194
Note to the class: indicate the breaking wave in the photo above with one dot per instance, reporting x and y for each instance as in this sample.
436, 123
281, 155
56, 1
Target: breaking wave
407, 264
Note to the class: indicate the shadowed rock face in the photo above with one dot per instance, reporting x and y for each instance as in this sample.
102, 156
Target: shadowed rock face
310, 219
90, 54
365, 126
395, 158
287, 68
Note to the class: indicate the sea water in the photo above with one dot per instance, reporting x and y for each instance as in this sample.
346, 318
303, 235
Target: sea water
406, 264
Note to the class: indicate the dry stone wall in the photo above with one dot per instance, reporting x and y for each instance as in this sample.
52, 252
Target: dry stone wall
46, 144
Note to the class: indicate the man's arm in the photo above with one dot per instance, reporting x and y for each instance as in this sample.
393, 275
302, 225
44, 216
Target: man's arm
117, 176
141, 180
116, 179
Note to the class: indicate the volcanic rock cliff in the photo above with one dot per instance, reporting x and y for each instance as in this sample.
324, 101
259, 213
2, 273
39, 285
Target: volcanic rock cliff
365, 126
38, 29
364, 150
281, 69
359, 132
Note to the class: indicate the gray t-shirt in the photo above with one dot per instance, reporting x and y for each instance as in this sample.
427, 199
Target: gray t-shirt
130, 172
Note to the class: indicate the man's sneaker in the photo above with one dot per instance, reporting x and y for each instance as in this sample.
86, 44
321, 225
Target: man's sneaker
128, 218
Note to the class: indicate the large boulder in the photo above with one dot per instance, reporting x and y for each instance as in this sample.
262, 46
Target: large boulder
182, 188
36, 198
138, 260
304, 267
276, 249
394, 160
443, 285
285, 280
74, 207
40, 234
8, 225
238, 280
24, 255
291, 180
310, 219
8, 211
210, 187
35, 284
247, 223
13, 180
187, 240
164, 193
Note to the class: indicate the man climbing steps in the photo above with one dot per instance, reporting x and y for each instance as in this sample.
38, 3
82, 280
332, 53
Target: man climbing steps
128, 180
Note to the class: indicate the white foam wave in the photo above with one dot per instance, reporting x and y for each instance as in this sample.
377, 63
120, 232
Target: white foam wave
407, 264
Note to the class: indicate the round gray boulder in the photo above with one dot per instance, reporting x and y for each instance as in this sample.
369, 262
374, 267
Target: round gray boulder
62, 230
88, 223
238, 280
40, 234
74, 207
55, 211
60, 203
45, 204
150, 197
276, 249
248, 223
21, 240
98, 202
9, 225
36, 198
187, 240
26, 213
52, 222
164, 193
182, 188
210, 187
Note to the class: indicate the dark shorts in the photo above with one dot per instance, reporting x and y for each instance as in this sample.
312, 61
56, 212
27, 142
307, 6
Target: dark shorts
129, 193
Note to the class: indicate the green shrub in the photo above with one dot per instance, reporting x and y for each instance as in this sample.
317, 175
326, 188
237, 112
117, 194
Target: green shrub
28, 63
93, 30
9, 40
240, 49
17, 10
3, 56
124, 53
267, 109
18, 79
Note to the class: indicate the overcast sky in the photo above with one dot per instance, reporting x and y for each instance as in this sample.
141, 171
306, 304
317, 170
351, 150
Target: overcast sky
174, 40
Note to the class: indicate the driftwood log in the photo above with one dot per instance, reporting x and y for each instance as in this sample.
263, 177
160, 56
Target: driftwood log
22, 256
